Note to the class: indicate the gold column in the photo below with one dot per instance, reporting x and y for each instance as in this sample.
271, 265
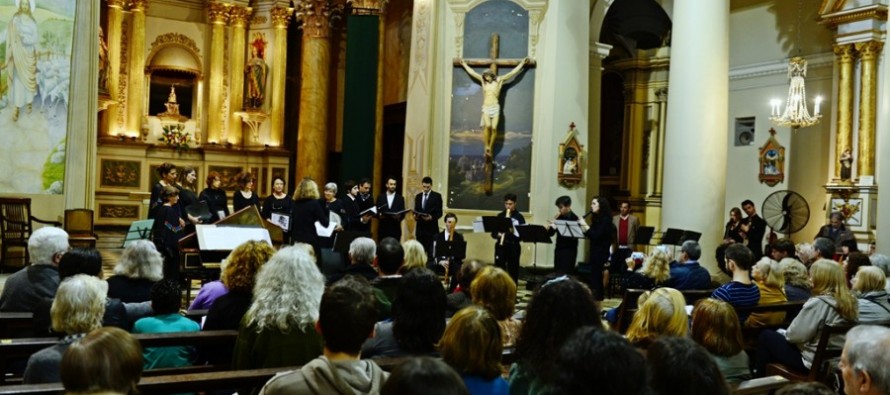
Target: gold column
113, 38
238, 17
280, 20
136, 63
844, 136
868, 77
312, 151
217, 14
378, 116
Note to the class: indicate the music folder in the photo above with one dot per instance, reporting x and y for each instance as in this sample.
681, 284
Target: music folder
342, 240
370, 211
395, 214
199, 210
451, 249
533, 234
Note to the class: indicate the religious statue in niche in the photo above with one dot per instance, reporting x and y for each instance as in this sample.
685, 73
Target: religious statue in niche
846, 164
103, 62
772, 161
256, 71
571, 152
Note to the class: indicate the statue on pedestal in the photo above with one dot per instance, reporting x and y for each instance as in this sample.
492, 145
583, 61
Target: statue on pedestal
846, 160
256, 71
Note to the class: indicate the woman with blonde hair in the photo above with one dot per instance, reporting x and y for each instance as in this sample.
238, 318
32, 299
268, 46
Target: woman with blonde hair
715, 326
495, 290
279, 327
770, 280
832, 303
307, 210
239, 277
77, 309
415, 256
106, 361
869, 288
662, 312
797, 280
139, 267
656, 271
472, 346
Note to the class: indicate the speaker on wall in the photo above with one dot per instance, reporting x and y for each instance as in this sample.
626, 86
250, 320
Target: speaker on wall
744, 132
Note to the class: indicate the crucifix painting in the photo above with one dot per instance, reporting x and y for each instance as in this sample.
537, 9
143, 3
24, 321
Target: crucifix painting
491, 149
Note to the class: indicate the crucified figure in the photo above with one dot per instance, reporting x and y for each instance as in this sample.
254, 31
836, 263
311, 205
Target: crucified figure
491, 107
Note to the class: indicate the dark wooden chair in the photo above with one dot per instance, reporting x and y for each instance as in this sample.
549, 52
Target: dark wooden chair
79, 225
16, 228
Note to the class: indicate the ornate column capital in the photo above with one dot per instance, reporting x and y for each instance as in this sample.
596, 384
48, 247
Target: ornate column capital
845, 52
869, 50
366, 7
116, 3
280, 16
317, 16
138, 5
218, 13
239, 15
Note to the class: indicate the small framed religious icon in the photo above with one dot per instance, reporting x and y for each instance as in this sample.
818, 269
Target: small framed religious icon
772, 161
571, 153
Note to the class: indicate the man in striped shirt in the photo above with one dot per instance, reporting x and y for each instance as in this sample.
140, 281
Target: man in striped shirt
741, 291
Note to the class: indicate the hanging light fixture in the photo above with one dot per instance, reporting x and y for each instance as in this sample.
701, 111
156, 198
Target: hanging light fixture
796, 114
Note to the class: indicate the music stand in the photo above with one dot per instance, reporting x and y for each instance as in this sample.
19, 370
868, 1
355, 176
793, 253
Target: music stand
496, 224
452, 249
644, 236
534, 234
689, 235
569, 229
672, 238
342, 240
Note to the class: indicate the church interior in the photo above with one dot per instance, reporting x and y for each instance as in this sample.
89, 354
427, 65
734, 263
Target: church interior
351, 90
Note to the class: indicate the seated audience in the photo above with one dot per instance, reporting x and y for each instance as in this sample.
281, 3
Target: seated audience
783, 249
852, 264
346, 319
715, 326
865, 359
25, 288
166, 299
678, 362
832, 303
883, 262
362, 252
741, 291
661, 312
239, 277
424, 376
472, 346
874, 304
390, 257
823, 249
76, 310
770, 282
558, 308
415, 256
461, 297
807, 253
797, 280
139, 267
418, 319
688, 273
495, 290
106, 361
279, 328
622, 371
211, 290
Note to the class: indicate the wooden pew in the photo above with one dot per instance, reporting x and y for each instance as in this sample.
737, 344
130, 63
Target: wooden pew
12, 349
763, 385
15, 324
818, 372
196, 315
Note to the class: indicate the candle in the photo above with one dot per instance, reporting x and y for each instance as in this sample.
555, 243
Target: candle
818, 102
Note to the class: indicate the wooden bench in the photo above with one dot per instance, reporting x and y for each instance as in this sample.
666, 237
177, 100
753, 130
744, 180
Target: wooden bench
196, 315
16, 324
12, 349
628, 306
818, 371
763, 385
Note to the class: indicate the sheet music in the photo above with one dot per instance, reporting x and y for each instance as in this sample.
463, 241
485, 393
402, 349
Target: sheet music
567, 228
212, 237
515, 224
323, 231
477, 225
282, 220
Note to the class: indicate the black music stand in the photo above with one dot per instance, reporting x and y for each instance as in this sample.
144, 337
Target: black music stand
689, 235
452, 249
342, 240
497, 224
672, 238
644, 236
533, 234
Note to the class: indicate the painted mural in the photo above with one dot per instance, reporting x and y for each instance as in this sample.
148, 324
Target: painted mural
35, 51
512, 146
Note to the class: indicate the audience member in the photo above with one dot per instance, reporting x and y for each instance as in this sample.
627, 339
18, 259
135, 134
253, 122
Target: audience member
106, 361
362, 252
810, 388
868, 286
25, 288
883, 262
139, 267
783, 249
76, 310
619, 370
661, 312
278, 329
770, 282
346, 319
239, 277
678, 362
865, 359
832, 303
418, 319
558, 308
211, 290
415, 256
166, 300
390, 257
807, 253
472, 346
656, 271
688, 273
424, 376
715, 326
836, 231
823, 248
797, 280
852, 264
741, 291
461, 296
495, 290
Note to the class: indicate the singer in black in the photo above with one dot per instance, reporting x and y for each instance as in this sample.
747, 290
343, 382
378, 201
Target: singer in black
506, 247
600, 232
390, 225
453, 263
566, 252
427, 211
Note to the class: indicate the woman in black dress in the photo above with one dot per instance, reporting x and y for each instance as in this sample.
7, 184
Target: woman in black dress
188, 197
167, 229
733, 232
245, 197
215, 197
307, 211
600, 232
167, 173
279, 203
332, 205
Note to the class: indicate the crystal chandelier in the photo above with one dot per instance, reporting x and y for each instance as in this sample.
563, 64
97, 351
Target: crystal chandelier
796, 114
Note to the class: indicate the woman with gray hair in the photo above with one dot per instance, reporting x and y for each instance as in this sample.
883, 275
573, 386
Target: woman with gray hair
883, 262
332, 205
279, 328
140, 266
797, 280
77, 309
